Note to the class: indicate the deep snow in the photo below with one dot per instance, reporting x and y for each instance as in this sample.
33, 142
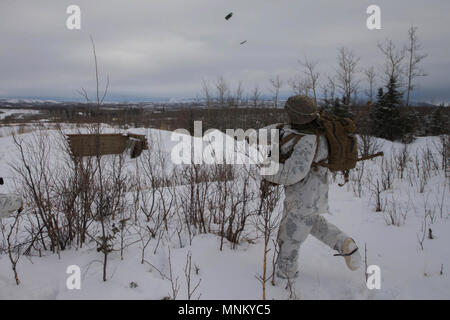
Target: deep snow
407, 272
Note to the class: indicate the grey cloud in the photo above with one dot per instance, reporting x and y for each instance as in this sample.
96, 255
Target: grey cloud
165, 48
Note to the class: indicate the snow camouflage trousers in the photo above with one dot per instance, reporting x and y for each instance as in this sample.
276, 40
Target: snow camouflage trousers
304, 203
294, 229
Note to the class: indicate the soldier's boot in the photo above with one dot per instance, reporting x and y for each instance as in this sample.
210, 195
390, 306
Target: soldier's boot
284, 274
349, 251
288, 280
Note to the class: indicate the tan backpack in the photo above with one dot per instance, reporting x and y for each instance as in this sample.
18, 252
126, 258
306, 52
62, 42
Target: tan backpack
342, 144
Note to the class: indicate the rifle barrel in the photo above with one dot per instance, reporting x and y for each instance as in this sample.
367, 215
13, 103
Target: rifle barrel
379, 154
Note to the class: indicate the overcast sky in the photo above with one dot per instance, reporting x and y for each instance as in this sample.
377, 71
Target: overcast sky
164, 48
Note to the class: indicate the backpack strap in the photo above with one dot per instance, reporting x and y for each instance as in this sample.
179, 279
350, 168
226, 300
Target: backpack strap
322, 163
285, 139
289, 137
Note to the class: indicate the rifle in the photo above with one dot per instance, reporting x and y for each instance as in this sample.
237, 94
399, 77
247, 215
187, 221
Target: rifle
371, 156
368, 157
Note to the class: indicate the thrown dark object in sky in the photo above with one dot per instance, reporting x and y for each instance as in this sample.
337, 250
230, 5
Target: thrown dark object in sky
229, 16
244, 42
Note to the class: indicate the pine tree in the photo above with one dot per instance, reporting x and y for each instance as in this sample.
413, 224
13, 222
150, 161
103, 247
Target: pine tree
438, 123
376, 116
385, 117
409, 124
341, 109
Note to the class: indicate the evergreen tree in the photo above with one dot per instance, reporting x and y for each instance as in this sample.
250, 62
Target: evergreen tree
376, 116
385, 117
409, 124
438, 123
341, 109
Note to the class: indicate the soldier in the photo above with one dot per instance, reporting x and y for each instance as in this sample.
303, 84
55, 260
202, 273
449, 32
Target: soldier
306, 190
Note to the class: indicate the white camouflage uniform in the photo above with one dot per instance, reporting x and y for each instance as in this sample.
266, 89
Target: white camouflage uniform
306, 197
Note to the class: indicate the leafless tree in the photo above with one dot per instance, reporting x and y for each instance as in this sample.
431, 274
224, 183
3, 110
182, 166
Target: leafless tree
300, 85
222, 90
276, 84
206, 92
370, 77
313, 76
413, 70
99, 97
393, 63
329, 91
238, 94
108, 179
346, 73
256, 97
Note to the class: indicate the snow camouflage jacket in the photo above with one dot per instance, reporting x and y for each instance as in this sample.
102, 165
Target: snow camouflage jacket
306, 188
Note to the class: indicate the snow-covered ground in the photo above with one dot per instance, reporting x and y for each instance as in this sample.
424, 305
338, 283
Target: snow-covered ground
18, 112
408, 271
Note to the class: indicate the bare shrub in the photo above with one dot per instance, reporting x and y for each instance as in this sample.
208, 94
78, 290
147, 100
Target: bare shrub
387, 173
12, 244
36, 179
401, 160
395, 214
267, 223
175, 286
368, 144
190, 287
357, 178
376, 191
444, 150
